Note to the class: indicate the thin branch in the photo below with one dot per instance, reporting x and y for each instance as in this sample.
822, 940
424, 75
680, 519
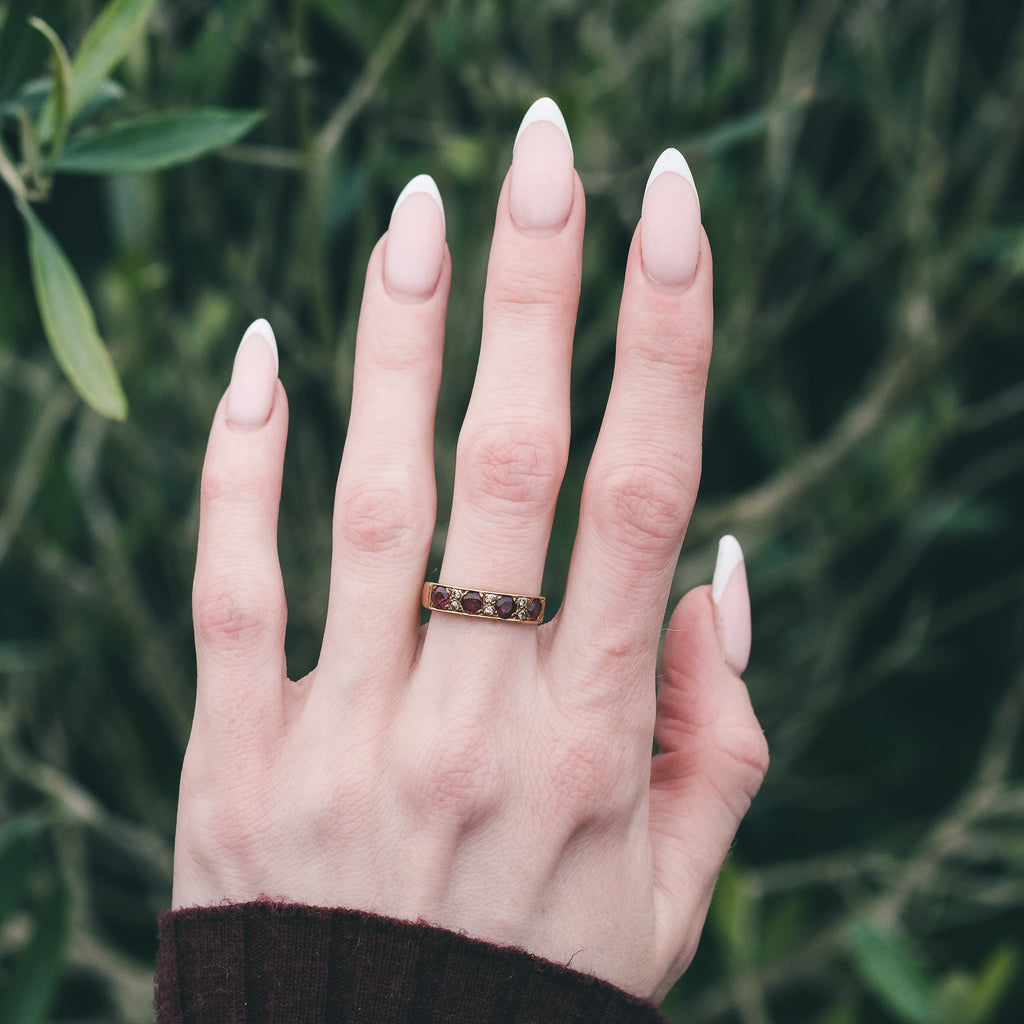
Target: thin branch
35, 458
274, 157
982, 798
83, 808
363, 89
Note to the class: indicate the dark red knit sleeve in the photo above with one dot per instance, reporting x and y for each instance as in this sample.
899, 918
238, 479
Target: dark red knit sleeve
270, 963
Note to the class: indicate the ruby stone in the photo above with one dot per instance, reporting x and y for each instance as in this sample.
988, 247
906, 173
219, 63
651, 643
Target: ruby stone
505, 606
439, 598
533, 608
472, 601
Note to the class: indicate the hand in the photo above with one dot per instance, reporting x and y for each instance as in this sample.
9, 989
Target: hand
488, 777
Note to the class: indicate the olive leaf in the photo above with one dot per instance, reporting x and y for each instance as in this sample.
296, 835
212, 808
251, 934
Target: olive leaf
105, 44
69, 322
156, 141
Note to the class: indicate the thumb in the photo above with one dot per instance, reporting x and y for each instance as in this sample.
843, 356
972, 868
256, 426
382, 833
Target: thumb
712, 754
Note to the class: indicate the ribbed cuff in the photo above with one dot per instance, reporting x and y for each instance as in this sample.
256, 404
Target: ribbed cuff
270, 963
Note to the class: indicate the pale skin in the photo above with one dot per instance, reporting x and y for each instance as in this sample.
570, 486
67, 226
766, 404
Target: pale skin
491, 778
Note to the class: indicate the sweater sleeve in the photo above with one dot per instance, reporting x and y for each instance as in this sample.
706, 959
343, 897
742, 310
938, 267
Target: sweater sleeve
270, 963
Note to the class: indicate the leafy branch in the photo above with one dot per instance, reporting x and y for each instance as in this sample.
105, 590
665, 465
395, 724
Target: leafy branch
54, 124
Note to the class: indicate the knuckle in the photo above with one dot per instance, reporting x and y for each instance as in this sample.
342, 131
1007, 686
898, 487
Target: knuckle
400, 349
589, 778
674, 343
383, 519
223, 486
752, 756
220, 813
737, 765
528, 297
348, 805
510, 468
647, 507
235, 612
455, 779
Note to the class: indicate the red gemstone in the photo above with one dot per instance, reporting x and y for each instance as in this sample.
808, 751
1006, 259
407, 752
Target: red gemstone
533, 608
439, 598
505, 606
472, 601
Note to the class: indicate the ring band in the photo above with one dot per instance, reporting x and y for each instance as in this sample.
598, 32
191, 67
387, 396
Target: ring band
482, 604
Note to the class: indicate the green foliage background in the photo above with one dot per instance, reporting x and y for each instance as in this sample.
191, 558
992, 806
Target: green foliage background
862, 182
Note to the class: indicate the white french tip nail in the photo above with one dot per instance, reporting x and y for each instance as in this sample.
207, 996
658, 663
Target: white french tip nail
544, 109
671, 161
730, 554
264, 330
421, 183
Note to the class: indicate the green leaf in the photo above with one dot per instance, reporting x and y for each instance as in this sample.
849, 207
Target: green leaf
993, 983
32, 984
156, 141
105, 44
34, 94
890, 967
69, 323
734, 913
57, 113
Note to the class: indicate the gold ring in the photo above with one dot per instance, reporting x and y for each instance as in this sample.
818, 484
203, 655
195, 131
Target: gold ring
482, 604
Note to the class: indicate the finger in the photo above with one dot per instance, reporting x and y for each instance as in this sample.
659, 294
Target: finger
712, 755
643, 476
514, 441
237, 596
386, 500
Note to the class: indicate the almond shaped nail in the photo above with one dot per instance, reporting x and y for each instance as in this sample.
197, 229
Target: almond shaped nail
414, 249
732, 604
670, 227
542, 180
253, 378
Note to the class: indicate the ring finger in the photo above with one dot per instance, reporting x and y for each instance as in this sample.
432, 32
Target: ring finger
514, 441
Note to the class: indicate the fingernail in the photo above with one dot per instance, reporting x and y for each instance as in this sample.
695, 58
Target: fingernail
253, 378
732, 604
414, 250
541, 189
670, 222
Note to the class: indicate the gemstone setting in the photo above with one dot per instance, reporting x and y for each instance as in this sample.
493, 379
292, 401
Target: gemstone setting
484, 604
